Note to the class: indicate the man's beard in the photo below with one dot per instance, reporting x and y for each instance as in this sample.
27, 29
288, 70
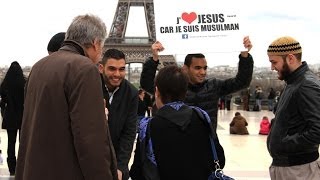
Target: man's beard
284, 73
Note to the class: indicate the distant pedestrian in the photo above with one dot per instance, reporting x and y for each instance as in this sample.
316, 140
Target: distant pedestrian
228, 99
222, 102
245, 96
142, 106
12, 99
271, 99
148, 98
258, 97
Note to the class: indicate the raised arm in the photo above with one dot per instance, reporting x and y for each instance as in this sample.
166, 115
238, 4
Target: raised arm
244, 75
247, 44
150, 67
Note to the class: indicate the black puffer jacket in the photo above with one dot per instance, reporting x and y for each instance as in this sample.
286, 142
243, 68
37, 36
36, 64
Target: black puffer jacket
295, 133
122, 122
206, 94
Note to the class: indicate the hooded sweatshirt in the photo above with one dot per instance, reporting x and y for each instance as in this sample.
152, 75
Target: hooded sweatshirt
180, 144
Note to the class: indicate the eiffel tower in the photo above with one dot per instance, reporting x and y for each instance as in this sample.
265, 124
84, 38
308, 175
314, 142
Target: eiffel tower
136, 49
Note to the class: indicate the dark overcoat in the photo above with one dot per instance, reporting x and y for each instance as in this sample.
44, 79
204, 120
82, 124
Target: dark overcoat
11, 107
64, 132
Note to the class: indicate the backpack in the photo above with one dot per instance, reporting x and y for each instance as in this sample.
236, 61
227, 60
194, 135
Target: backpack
149, 165
147, 157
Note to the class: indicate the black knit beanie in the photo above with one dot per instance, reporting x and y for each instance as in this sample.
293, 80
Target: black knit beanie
56, 42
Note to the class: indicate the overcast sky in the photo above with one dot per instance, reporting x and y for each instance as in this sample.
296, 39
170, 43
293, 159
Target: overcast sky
27, 26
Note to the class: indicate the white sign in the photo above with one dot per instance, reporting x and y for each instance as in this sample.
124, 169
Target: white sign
198, 26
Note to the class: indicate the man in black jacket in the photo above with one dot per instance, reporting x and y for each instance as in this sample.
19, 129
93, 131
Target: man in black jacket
293, 141
203, 92
122, 105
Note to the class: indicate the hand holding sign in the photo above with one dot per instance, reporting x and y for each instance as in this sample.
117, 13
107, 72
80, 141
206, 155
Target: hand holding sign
156, 48
190, 26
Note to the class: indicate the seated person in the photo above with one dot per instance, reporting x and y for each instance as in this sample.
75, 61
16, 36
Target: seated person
264, 126
238, 125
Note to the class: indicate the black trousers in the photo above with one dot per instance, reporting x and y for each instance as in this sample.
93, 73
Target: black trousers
11, 151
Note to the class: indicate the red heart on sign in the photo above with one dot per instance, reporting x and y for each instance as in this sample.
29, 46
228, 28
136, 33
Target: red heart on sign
189, 17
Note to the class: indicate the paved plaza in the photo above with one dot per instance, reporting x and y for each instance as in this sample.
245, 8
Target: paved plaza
246, 155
